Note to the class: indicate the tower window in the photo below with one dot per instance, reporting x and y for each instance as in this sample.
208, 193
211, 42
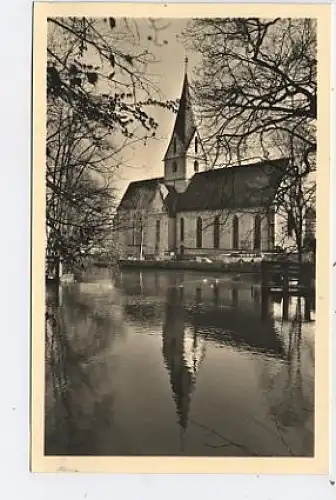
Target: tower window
174, 145
195, 166
196, 145
174, 167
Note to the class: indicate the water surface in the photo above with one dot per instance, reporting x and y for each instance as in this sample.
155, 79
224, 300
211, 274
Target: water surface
177, 363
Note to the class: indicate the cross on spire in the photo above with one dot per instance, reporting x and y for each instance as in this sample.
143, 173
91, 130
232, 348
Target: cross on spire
186, 64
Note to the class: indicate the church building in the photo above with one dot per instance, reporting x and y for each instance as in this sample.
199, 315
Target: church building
194, 209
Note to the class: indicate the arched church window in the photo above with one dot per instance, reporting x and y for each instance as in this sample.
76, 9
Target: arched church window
131, 231
271, 230
182, 229
235, 233
290, 224
137, 230
174, 167
257, 232
216, 234
195, 166
199, 232
134, 232
196, 145
157, 235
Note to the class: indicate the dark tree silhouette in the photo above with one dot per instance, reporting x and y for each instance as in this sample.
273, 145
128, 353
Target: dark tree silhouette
257, 92
97, 97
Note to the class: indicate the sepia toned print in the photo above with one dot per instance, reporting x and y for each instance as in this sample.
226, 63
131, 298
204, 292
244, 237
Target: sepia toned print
181, 280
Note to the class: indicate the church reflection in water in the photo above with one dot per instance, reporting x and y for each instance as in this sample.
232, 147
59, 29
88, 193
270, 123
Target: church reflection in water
207, 312
135, 365
290, 390
183, 353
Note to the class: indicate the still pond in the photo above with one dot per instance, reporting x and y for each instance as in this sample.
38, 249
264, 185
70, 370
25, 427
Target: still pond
177, 363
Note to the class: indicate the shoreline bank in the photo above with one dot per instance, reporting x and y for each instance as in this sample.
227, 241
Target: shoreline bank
244, 267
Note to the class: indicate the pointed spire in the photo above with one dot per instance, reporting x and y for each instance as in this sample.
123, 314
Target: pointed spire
186, 65
185, 123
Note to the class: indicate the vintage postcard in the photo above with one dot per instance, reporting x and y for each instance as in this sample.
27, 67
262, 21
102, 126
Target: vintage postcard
180, 241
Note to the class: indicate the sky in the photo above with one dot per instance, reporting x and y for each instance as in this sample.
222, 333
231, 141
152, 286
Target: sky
142, 161
168, 72
146, 161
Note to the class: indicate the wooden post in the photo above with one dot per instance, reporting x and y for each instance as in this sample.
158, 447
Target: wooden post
234, 297
264, 274
285, 306
264, 302
264, 290
256, 296
307, 308
285, 279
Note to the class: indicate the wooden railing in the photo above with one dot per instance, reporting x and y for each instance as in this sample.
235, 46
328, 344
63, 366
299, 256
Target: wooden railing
288, 277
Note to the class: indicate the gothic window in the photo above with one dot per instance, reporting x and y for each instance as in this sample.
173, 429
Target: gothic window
235, 233
174, 145
137, 230
257, 232
196, 145
182, 229
199, 232
130, 231
216, 234
157, 235
195, 166
271, 231
133, 232
174, 167
290, 224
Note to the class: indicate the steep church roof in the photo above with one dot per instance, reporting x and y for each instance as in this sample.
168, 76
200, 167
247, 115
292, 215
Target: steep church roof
185, 125
238, 187
244, 186
140, 194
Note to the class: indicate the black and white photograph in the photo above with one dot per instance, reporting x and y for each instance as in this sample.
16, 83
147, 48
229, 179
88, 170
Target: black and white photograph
180, 239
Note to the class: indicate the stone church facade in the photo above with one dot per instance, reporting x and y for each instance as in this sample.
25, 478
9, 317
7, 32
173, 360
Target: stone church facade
194, 210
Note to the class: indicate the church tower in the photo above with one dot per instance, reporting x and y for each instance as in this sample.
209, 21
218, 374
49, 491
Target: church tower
185, 155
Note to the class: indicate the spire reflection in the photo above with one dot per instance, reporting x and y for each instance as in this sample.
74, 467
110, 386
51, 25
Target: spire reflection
183, 352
